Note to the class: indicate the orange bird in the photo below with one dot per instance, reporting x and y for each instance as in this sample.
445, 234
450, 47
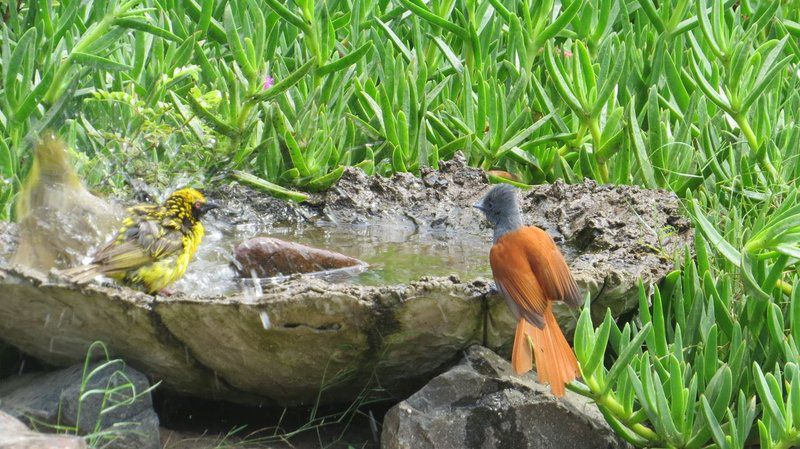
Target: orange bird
531, 273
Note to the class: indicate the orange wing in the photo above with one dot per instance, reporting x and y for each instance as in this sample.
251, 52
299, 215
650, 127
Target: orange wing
529, 270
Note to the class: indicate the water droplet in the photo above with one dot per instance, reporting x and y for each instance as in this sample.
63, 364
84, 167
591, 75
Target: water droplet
373, 426
265, 320
61, 317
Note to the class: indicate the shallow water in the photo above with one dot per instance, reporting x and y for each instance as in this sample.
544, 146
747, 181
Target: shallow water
395, 254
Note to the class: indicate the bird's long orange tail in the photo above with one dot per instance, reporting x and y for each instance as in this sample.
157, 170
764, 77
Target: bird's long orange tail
555, 362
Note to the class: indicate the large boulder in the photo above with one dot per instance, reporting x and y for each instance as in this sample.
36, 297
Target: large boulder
15, 435
481, 404
108, 401
286, 343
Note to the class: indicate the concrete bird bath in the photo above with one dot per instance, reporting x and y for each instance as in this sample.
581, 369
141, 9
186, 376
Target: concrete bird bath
282, 342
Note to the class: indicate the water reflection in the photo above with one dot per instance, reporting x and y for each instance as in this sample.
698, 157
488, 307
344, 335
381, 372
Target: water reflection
395, 254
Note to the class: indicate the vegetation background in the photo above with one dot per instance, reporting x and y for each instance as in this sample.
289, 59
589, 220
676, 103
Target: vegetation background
696, 96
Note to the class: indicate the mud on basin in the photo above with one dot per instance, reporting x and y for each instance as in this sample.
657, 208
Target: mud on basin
304, 334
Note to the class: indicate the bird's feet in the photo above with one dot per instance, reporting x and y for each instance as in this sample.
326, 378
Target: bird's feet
166, 292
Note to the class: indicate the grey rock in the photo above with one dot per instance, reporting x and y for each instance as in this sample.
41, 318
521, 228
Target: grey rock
108, 398
9, 239
480, 403
15, 435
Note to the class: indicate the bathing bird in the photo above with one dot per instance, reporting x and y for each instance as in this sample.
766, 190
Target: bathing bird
530, 273
154, 245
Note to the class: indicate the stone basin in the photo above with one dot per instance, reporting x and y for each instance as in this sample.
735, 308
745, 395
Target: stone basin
305, 339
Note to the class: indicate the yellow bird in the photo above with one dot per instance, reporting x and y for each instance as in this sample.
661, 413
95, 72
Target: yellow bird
154, 245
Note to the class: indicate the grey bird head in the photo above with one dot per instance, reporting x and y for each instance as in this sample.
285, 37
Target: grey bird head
501, 208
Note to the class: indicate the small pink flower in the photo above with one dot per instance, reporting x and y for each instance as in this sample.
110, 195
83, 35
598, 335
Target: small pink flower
566, 53
268, 82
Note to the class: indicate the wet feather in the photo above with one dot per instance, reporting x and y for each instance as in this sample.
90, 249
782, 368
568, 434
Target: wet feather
154, 246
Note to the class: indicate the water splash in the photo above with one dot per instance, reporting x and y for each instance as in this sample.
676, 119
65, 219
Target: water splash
265, 319
61, 316
252, 289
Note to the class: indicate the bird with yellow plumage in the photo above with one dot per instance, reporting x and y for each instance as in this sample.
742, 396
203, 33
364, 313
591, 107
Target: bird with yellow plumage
154, 246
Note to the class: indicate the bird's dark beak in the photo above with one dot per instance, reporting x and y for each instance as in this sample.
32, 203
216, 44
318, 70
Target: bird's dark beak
479, 206
207, 206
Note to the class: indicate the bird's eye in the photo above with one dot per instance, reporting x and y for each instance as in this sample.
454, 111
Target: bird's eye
197, 205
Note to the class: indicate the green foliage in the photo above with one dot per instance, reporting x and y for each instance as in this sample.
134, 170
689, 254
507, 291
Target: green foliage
700, 97
607, 89
704, 361
712, 359
618, 91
